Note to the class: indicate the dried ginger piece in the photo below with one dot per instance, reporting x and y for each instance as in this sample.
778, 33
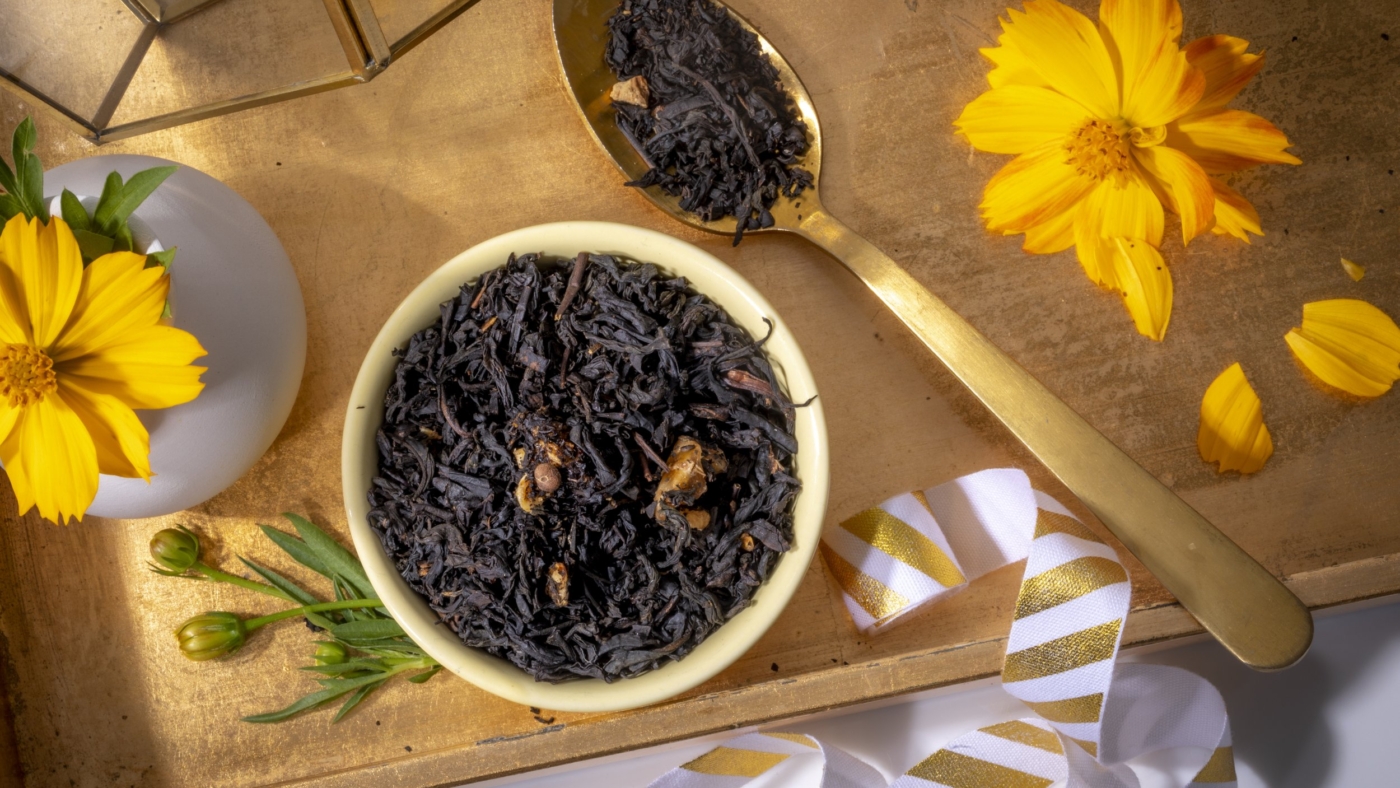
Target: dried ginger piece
1232, 424
632, 91
1349, 345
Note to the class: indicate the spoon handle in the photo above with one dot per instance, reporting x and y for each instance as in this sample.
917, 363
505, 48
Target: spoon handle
1244, 606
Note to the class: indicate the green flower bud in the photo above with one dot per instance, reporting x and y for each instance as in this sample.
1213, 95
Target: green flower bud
177, 550
329, 652
211, 635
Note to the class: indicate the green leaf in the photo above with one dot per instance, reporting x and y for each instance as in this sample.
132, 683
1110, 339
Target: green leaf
306, 702
10, 207
419, 678
295, 548
92, 244
124, 243
73, 212
354, 700
26, 137
110, 189
162, 258
368, 629
33, 187
296, 592
7, 178
114, 213
349, 666
334, 557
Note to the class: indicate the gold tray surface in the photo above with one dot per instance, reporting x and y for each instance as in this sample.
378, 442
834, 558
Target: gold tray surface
472, 135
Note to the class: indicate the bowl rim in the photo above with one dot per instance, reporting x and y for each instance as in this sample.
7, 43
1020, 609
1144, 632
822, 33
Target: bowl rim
421, 308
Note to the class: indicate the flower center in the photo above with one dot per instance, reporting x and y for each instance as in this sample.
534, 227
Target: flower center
1099, 149
26, 375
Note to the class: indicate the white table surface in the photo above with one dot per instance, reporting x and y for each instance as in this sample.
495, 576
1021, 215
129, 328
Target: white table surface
1332, 721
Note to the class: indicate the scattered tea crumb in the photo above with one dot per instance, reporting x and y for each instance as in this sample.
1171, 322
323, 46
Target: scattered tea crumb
544, 720
775, 667
1353, 270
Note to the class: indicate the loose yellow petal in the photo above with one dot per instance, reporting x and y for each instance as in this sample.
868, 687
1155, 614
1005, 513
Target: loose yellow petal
1067, 51
1186, 186
122, 442
118, 294
1232, 429
1034, 188
1017, 118
1229, 141
1146, 285
1349, 345
1233, 213
51, 461
1353, 270
1227, 68
1158, 83
148, 368
1114, 210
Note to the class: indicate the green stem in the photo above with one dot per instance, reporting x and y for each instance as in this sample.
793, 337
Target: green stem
252, 585
343, 604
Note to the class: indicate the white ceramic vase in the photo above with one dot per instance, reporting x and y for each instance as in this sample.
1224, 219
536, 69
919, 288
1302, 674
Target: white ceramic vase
233, 287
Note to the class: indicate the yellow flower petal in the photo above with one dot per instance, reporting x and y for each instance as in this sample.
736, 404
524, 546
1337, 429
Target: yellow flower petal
1146, 284
1114, 210
122, 442
1232, 429
51, 461
1349, 345
148, 368
1158, 83
45, 262
1229, 141
1017, 118
118, 294
14, 312
1054, 235
1233, 213
1353, 270
1065, 48
1227, 68
1187, 187
1011, 67
1034, 188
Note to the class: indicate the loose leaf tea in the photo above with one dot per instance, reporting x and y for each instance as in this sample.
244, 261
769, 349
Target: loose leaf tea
584, 468
702, 104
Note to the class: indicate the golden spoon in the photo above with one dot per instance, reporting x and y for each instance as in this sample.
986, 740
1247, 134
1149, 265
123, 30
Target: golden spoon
1245, 607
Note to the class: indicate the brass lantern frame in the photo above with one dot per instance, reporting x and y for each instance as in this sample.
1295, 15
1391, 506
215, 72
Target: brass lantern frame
367, 51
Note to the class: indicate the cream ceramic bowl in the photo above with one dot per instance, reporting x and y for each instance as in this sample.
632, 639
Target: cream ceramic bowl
359, 459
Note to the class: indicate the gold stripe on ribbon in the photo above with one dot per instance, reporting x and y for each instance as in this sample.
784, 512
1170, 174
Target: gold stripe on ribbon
956, 770
1055, 523
730, 762
1220, 768
1084, 708
1087, 746
898, 539
1074, 650
878, 599
1026, 734
796, 738
1067, 581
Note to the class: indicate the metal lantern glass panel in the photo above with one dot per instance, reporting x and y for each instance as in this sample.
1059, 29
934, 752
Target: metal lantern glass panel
118, 68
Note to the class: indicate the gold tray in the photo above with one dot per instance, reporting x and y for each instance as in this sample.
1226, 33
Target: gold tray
472, 134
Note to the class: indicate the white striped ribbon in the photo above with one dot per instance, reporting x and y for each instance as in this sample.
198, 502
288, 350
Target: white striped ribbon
1093, 715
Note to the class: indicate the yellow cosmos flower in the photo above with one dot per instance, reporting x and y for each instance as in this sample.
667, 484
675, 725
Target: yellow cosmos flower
1232, 424
1110, 123
1349, 345
79, 349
